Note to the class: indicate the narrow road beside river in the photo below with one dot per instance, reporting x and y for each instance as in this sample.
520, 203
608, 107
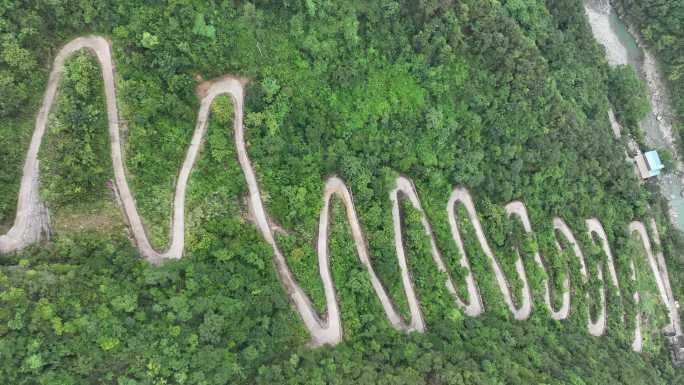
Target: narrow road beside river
625, 47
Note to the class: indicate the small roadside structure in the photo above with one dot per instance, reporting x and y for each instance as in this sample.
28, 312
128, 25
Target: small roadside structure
649, 164
676, 344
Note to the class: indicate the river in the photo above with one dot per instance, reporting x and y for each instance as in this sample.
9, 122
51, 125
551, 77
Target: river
623, 47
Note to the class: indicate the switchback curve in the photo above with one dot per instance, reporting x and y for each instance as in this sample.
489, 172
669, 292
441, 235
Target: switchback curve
31, 221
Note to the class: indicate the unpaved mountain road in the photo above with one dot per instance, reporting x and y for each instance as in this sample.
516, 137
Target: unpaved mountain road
31, 221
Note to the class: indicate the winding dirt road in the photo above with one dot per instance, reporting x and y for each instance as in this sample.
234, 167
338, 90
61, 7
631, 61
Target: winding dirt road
31, 223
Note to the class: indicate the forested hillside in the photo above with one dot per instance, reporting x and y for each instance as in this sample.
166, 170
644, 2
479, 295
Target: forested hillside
507, 98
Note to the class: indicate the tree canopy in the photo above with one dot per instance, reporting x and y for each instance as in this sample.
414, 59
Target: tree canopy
507, 98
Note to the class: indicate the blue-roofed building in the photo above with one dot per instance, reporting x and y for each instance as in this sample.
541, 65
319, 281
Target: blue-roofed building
654, 163
649, 164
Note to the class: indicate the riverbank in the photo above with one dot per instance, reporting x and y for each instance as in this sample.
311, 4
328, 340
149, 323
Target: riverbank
624, 46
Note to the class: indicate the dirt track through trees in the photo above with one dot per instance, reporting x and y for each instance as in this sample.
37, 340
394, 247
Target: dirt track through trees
31, 222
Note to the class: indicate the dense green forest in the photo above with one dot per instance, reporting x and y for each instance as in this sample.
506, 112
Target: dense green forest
507, 98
